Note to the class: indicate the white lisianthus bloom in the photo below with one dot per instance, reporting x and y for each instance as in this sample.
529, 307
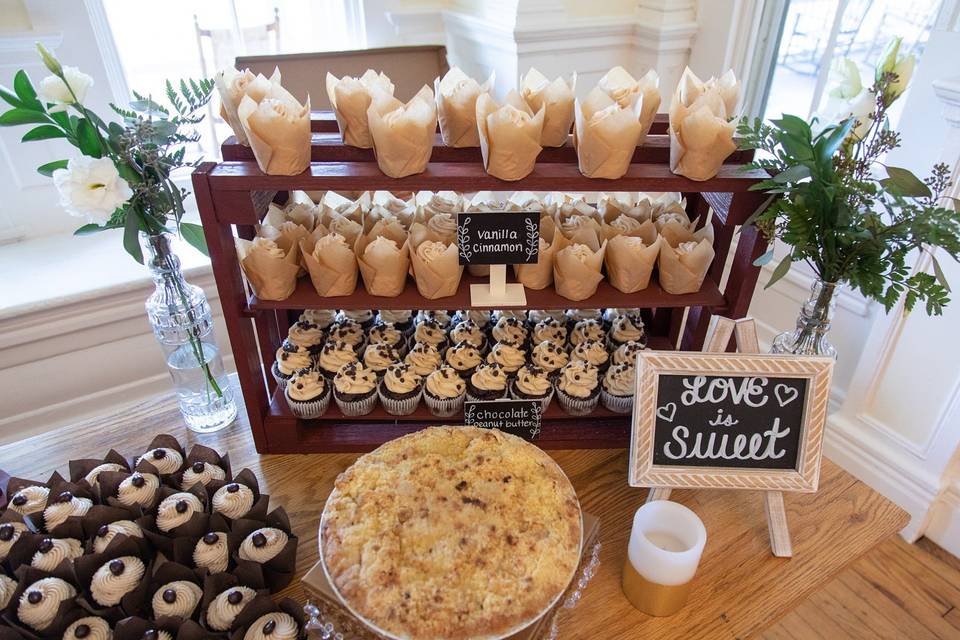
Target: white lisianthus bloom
91, 188
54, 90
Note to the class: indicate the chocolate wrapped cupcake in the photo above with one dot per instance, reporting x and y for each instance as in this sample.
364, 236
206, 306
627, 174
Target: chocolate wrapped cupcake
578, 388
115, 579
424, 358
88, 628
627, 353
177, 598
50, 552
323, 318
106, 533
432, 333
402, 319
389, 335
550, 330
226, 606
592, 351
588, 329
202, 473
377, 357
263, 545
550, 357
334, 356
363, 317
355, 389
444, 392
212, 552
290, 359
510, 356
307, 335
308, 394
470, 332
233, 500
165, 456
440, 316
138, 489
29, 500
464, 358
350, 332
10, 533
627, 328
509, 329
400, 390
42, 601
532, 383
177, 510
66, 505
488, 382
617, 389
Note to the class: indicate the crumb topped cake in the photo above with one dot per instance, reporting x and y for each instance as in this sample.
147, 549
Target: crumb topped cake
451, 532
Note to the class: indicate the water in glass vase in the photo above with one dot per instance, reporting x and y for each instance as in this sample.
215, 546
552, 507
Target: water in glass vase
203, 409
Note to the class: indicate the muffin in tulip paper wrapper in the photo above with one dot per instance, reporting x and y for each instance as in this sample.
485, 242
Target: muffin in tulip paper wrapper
334, 206
403, 134
685, 259
540, 274
210, 551
270, 544
175, 591
383, 255
105, 523
165, 455
436, 267
577, 270
67, 504
264, 619
44, 602
232, 85
27, 497
350, 98
331, 262
89, 469
226, 595
278, 129
626, 90
509, 135
138, 492
456, 95
239, 497
203, 465
631, 256
114, 584
556, 99
166, 628
702, 124
179, 514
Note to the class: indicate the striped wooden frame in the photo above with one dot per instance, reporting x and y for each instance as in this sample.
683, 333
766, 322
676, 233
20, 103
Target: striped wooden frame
651, 364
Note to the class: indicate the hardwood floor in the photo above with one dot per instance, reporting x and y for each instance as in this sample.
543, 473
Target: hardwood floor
897, 591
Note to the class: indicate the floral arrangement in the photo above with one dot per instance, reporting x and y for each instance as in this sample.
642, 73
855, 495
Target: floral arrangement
842, 210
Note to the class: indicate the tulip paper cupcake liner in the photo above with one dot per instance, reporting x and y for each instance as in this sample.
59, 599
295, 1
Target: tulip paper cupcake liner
88, 470
243, 500
252, 541
170, 594
138, 492
209, 551
114, 583
29, 621
27, 496
243, 578
262, 611
202, 466
165, 456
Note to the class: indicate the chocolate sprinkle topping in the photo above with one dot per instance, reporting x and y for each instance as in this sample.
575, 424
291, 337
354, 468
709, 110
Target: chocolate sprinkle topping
116, 567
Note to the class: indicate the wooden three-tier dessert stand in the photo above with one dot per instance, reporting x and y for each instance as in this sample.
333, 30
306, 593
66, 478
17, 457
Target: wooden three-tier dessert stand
233, 197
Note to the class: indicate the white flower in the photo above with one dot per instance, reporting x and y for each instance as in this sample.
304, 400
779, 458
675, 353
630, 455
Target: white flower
848, 79
54, 90
891, 62
91, 188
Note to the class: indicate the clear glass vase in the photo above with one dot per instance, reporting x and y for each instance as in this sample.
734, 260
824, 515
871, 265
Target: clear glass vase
810, 336
183, 325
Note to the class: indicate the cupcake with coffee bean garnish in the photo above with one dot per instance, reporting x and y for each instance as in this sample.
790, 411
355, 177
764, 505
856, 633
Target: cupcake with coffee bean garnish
627, 327
290, 359
64, 506
377, 357
592, 351
11, 529
45, 599
388, 334
440, 316
470, 332
532, 383
400, 390
363, 317
304, 333
627, 353
617, 389
402, 319
29, 499
576, 315
107, 532
444, 392
488, 382
88, 628
349, 332
212, 552
550, 357
355, 389
586, 330
165, 456
578, 388
333, 356
224, 608
323, 318
464, 358
430, 332
550, 330
308, 394
424, 358
510, 356
139, 489
509, 329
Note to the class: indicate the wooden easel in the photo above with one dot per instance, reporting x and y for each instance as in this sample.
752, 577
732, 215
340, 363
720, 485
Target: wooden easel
718, 337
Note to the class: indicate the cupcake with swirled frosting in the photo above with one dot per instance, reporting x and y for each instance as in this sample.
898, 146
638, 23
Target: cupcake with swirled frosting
10, 532
550, 330
439, 316
536, 316
350, 332
377, 357
211, 552
273, 626
200, 472
333, 356
88, 628
627, 353
488, 382
224, 609
516, 314
389, 335
52, 551
576, 315
290, 359
532, 383
41, 601
107, 532
94, 474
509, 329
444, 392
402, 319
263, 545
578, 388
424, 358
8, 586
178, 598
509, 355
115, 579
308, 394
464, 358
627, 328
307, 335
234, 500
617, 388
586, 330
480, 317
550, 357
592, 351
29, 500
400, 390
176, 510
323, 318
430, 332
363, 317
163, 459
138, 489
470, 332
66, 505
355, 389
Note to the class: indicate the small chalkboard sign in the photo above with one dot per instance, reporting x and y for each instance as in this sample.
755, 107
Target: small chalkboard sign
517, 417
498, 237
729, 420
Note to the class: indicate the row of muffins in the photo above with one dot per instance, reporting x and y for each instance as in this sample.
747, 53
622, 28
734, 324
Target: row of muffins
358, 357
164, 545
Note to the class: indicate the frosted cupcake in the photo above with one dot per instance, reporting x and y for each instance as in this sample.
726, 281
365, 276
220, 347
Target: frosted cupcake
400, 390
107, 532
617, 389
163, 459
424, 358
508, 356
578, 388
40, 602
440, 316
593, 352
627, 353
211, 552
430, 332
509, 329
10, 532
263, 545
517, 314
323, 318
349, 332
307, 335
115, 579
536, 316
290, 359
363, 317
226, 606
107, 467
308, 394
480, 317
355, 389
470, 332
576, 315
586, 330
378, 357
52, 551
177, 509
66, 505
388, 334
550, 330
532, 383
88, 628
202, 473
178, 598
626, 328
489, 382
333, 356
402, 319
464, 358
29, 500
138, 489
444, 392
275, 625
233, 500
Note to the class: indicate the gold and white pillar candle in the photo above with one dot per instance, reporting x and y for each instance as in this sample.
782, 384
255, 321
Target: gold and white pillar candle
665, 546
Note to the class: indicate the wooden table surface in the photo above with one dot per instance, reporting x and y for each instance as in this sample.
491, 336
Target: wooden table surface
739, 590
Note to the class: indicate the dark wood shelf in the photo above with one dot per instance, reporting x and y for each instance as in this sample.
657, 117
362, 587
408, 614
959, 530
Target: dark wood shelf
653, 297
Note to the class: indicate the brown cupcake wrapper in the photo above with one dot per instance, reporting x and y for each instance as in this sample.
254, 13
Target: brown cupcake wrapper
200, 453
246, 477
279, 570
22, 552
14, 484
71, 524
244, 575
167, 572
66, 613
181, 549
81, 467
165, 441
134, 602
134, 628
261, 606
110, 487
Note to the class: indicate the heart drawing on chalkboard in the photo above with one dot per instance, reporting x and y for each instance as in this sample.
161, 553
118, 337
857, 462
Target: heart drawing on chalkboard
667, 412
785, 395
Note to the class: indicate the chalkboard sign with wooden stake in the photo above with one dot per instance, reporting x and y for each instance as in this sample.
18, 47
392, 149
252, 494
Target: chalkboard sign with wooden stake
730, 421
498, 238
